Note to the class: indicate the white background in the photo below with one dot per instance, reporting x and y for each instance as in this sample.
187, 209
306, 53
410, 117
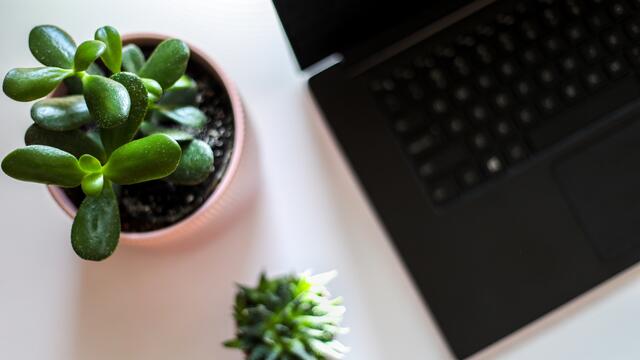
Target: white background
176, 304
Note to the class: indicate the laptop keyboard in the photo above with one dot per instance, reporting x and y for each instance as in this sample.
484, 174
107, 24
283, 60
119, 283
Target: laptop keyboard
467, 109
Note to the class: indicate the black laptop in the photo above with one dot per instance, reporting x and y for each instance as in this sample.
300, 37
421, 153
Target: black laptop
498, 141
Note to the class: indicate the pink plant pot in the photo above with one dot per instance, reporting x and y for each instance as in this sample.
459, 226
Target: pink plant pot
237, 188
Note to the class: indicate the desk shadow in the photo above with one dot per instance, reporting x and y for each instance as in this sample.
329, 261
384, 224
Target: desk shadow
166, 303
390, 316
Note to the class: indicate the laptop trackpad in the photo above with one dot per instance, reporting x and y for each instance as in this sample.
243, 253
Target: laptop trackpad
602, 184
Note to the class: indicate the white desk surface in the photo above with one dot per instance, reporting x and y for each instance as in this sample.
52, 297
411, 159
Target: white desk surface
167, 304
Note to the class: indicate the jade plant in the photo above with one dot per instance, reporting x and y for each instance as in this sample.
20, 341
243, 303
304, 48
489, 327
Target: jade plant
289, 318
118, 119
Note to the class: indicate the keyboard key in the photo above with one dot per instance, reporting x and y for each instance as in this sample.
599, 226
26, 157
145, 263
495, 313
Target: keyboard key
569, 64
416, 91
594, 79
613, 40
549, 104
633, 55
456, 125
443, 161
424, 143
481, 141
551, 17
547, 76
469, 176
598, 21
486, 81
462, 94
531, 57
632, 28
553, 45
575, 33
508, 69
516, 152
592, 52
616, 68
503, 129
524, 88
479, 114
493, 164
526, 117
502, 101
530, 30
619, 10
439, 106
444, 191
572, 91
438, 78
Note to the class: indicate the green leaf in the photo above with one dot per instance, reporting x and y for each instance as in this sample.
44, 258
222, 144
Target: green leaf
183, 92
115, 137
196, 163
52, 46
92, 184
112, 57
61, 113
150, 158
74, 84
167, 63
148, 128
189, 116
152, 87
88, 52
27, 84
74, 142
89, 164
132, 58
96, 227
108, 100
43, 164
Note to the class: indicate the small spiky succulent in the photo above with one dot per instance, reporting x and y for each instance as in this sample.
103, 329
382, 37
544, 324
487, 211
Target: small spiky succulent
288, 318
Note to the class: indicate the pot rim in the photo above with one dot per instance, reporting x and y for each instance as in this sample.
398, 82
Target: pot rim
232, 169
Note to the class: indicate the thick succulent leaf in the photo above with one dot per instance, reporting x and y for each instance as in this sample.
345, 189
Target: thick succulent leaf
92, 184
89, 164
150, 158
183, 92
115, 137
167, 63
61, 113
132, 58
27, 84
74, 142
73, 84
112, 57
108, 100
196, 163
152, 87
43, 164
189, 116
96, 227
88, 52
52, 46
148, 128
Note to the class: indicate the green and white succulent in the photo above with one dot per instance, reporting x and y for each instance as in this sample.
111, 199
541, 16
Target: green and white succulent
289, 318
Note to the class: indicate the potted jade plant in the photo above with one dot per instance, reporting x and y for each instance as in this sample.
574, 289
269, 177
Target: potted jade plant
144, 138
291, 317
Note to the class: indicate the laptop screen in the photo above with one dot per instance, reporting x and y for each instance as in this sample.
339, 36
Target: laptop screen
319, 28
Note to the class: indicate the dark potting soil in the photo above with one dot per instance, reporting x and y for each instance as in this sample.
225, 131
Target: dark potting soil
154, 205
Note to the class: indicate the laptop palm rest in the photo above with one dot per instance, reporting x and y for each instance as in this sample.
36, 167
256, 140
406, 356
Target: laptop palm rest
602, 185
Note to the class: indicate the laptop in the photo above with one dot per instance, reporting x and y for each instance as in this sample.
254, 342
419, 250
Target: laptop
498, 142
